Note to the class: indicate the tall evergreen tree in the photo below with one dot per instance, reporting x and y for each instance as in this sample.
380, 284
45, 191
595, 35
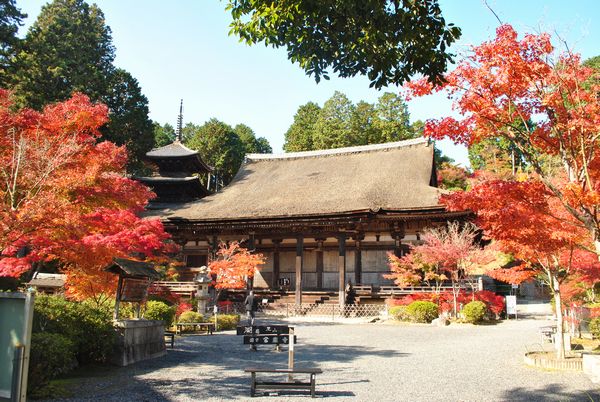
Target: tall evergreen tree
392, 121
252, 145
163, 135
363, 124
67, 49
263, 146
219, 146
129, 123
299, 137
11, 18
333, 128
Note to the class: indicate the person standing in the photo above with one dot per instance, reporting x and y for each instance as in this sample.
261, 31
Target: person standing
350, 298
250, 307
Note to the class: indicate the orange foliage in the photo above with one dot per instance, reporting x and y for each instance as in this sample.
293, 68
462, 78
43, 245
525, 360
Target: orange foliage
65, 197
508, 88
234, 265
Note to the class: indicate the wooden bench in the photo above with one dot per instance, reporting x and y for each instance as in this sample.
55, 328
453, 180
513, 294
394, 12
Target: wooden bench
295, 385
209, 327
170, 338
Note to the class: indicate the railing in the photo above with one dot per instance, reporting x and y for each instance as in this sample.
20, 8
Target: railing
324, 310
179, 288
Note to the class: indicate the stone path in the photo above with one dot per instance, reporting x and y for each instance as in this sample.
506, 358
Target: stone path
361, 362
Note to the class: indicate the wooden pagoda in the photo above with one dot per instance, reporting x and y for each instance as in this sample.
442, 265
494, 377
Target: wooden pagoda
178, 172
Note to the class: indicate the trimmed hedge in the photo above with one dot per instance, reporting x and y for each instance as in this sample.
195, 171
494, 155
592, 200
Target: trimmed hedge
160, 311
422, 311
51, 355
87, 326
227, 321
191, 316
474, 311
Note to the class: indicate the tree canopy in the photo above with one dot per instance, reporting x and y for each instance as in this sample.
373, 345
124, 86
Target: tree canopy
163, 135
218, 145
65, 196
234, 265
11, 18
500, 89
299, 137
50, 68
507, 83
388, 41
69, 49
128, 123
340, 123
252, 145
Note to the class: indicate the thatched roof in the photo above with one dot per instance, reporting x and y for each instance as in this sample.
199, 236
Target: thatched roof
397, 176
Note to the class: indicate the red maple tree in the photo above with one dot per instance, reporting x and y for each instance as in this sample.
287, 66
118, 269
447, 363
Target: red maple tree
234, 265
64, 196
447, 254
511, 89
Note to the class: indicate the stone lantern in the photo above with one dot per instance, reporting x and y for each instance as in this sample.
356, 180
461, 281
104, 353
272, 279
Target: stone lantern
202, 280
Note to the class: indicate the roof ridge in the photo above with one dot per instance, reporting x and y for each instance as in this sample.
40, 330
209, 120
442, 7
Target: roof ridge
171, 145
339, 151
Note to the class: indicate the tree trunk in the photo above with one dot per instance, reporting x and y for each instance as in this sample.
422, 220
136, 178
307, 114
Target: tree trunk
454, 299
560, 344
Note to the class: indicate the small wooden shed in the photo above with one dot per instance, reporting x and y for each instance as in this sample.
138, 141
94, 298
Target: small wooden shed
134, 279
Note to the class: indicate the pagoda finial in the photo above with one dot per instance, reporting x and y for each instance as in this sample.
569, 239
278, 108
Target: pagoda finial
180, 121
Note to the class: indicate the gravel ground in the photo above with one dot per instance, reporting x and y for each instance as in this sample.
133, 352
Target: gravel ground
360, 362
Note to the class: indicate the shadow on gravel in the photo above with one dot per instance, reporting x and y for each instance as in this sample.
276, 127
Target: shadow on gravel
552, 392
202, 367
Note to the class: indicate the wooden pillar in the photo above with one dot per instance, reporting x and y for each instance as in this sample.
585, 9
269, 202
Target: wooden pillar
319, 256
398, 235
276, 243
299, 257
358, 259
214, 247
250, 282
342, 267
118, 301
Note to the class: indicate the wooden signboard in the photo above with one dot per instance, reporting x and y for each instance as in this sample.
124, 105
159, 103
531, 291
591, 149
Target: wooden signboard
267, 339
262, 329
134, 290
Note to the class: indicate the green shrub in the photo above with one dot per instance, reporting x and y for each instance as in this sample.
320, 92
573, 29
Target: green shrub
157, 310
51, 355
594, 327
422, 311
227, 321
191, 316
398, 313
88, 326
474, 311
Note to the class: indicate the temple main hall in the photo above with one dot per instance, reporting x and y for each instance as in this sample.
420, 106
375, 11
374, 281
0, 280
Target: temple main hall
321, 218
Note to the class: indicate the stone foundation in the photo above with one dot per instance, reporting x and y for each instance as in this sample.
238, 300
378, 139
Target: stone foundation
138, 340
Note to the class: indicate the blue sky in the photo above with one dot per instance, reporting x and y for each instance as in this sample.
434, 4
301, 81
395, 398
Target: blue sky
181, 49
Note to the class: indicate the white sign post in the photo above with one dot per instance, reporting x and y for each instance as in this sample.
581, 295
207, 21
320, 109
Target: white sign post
511, 306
